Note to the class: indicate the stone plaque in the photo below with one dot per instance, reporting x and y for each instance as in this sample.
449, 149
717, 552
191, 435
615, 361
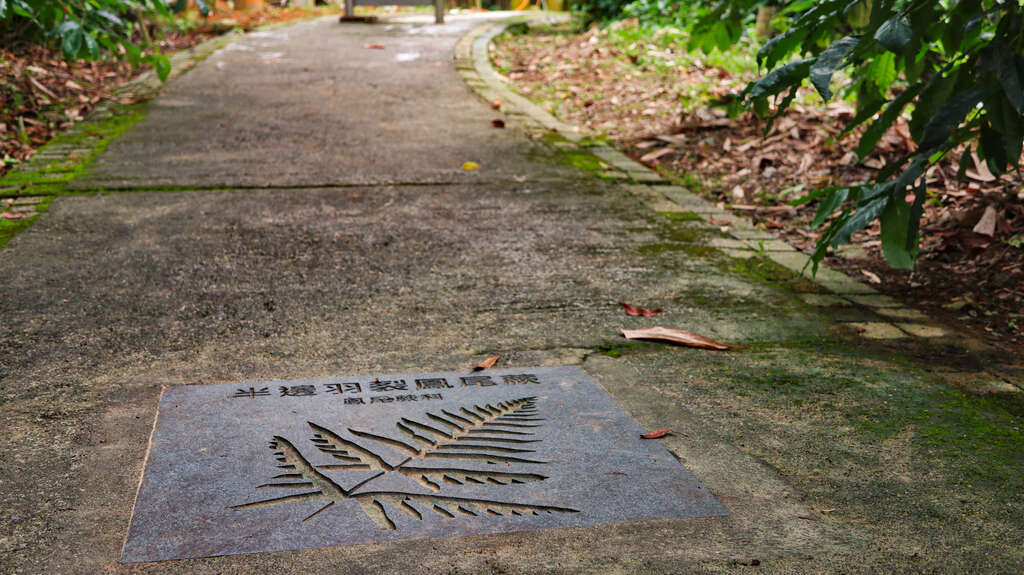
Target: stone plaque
268, 466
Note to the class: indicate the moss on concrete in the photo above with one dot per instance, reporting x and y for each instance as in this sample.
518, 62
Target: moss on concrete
764, 270
11, 228
84, 144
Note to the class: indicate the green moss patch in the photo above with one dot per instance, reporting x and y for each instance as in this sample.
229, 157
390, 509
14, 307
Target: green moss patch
83, 144
10, 228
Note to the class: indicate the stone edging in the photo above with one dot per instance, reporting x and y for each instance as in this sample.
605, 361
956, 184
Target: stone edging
896, 321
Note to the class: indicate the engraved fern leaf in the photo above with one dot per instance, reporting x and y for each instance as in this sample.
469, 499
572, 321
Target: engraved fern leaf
305, 476
372, 504
308, 477
482, 433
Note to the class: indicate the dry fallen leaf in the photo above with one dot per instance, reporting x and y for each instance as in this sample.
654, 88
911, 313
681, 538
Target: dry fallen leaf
486, 363
872, 276
657, 434
651, 156
498, 123
373, 46
496, 104
986, 226
639, 311
469, 166
717, 222
10, 216
677, 336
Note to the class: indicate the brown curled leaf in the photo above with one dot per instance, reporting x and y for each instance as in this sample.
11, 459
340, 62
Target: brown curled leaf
677, 336
373, 46
498, 123
639, 311
657, 433
486, 363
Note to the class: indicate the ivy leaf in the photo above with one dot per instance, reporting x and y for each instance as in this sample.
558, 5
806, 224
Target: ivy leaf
827, 62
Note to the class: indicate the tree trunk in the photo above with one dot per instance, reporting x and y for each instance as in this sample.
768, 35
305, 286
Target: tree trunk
763, 28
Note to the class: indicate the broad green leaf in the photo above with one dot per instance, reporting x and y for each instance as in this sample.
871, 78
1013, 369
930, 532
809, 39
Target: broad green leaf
23, 9
990, 147
91, 47
133, 52
934, 95
894, 34
860, 219
162, 65
895, 220
779, 47
1006, 71
66, 27
948, 117
110, 16
882, 72
826, 63
779, 79
72, 44
875, 129
829, 205
868, 104
815, 194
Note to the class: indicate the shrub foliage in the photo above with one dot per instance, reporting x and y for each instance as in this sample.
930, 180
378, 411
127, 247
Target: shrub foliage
955, 67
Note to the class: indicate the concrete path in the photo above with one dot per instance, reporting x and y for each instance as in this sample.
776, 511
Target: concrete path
295, 207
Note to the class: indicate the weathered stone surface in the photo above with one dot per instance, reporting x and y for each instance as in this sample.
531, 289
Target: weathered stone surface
367, 459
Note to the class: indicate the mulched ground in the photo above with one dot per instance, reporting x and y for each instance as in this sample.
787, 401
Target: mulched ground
971, 268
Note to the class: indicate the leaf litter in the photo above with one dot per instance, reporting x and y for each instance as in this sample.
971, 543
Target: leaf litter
489, 362
653, 95
639, 311
676, 336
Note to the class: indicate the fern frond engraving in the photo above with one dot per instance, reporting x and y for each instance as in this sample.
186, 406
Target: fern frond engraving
479, 434
451, 436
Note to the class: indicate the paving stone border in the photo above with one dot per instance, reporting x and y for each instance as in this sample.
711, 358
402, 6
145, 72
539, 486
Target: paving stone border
895, 321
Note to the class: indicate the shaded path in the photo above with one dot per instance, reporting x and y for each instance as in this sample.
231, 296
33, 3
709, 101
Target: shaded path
348, 240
